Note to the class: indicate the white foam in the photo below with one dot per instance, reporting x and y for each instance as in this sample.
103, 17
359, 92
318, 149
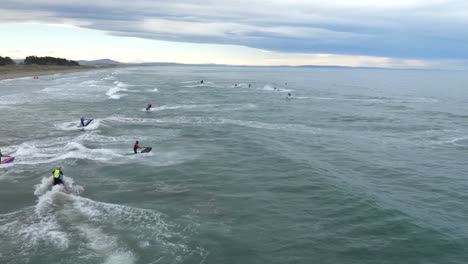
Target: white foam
459, 141
261, 125
92, 83
51, 89
146, 223
135, 120
16, 79
173, 107
120, 258
6, 166
99, 229
240, 85
30, 154
375, 99
25, 149
216, 121
44, 186
106, 245
169, 189
229, 107
205, 84
284, 90
42, 223
68, 186
54, 150
232, 107
406, 99
15, 99
268, 88
36, 149
120, 84
47, 230
109, 78
76, 125
93, 125
198, 82
77, 150
97, 138
113, 92
278, 89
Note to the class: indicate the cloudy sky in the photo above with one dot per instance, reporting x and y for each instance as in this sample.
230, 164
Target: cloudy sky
393, 33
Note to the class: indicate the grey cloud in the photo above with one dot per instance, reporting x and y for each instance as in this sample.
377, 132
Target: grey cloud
404, 29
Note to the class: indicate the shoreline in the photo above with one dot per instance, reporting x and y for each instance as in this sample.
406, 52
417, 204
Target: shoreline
24, 71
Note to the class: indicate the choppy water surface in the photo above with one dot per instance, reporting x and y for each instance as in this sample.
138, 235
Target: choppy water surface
358, 166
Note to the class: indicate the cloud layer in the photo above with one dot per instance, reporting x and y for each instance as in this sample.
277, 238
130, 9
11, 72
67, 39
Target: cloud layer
406, 29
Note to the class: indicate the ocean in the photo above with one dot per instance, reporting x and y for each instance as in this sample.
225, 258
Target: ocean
356, 166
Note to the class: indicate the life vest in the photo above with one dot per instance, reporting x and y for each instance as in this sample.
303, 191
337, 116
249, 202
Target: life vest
57, 174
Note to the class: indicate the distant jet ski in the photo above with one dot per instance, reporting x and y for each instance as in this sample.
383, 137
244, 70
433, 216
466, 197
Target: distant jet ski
148, 107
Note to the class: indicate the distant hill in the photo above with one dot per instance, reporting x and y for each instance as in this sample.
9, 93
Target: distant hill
34, 60
6, 61
178, 64
99, 62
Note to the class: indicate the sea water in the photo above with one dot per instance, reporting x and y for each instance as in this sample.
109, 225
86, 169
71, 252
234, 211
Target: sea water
356, 166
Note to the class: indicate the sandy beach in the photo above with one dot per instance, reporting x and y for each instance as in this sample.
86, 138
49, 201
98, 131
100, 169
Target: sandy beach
20, 71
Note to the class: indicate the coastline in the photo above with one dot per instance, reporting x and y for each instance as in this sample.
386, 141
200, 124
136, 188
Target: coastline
22, 71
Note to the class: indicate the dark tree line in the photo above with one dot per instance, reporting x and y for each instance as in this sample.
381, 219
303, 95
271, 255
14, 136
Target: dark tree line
6, 61
49, 61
